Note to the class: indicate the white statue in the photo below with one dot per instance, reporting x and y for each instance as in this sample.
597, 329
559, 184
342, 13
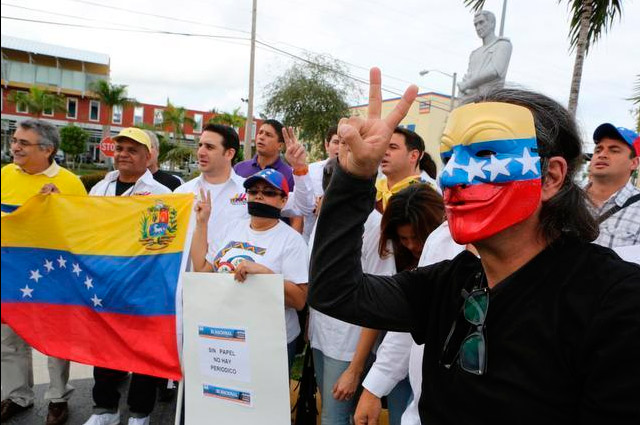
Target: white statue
487, 64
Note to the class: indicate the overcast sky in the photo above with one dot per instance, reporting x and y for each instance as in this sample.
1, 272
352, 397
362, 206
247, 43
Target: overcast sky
401, 37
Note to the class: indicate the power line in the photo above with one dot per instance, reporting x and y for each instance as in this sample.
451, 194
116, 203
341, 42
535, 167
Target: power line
67, 24
216, 26
171, 18
387, 89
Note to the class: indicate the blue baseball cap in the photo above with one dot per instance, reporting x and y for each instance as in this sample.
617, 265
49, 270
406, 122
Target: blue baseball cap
619, 133
273, 177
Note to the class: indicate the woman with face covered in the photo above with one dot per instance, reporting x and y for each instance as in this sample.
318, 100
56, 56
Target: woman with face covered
261, 244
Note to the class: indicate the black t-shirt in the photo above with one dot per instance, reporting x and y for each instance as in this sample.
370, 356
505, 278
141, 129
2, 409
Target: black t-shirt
562, 332
167, 179
122, 187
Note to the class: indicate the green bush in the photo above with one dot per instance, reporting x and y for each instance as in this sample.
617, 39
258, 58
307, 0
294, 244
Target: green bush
90, 180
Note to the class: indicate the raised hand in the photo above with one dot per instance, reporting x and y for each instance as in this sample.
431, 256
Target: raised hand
203, 207
295, 153
367, 139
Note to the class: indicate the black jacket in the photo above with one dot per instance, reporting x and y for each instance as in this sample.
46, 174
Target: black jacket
562, 332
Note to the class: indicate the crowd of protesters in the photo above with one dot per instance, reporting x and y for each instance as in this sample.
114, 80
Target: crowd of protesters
469, 296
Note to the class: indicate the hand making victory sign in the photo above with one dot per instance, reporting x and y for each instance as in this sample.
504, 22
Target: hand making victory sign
203, 207
368, 139
295, 153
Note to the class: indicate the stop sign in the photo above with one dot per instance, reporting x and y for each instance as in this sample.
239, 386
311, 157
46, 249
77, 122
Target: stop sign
107, 147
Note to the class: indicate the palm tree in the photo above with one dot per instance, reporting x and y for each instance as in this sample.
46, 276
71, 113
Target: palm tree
234, 119
636, 101
37, 101
111, 95
174, 119
589, 20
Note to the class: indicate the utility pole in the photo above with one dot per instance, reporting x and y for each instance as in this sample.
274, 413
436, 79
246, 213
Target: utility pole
248, 131
453, 92
504, 16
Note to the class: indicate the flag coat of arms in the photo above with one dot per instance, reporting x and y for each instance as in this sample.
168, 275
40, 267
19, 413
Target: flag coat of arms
94, 279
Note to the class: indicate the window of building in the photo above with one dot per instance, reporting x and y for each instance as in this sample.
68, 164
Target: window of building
21, 108
138, 115
157, 116
47, 112
197, 125
117, 114
72, 108
94, 110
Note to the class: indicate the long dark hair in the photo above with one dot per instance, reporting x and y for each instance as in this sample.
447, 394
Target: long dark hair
418, 205
565, 213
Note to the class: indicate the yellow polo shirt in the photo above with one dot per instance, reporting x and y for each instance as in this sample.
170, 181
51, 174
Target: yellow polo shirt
18, 186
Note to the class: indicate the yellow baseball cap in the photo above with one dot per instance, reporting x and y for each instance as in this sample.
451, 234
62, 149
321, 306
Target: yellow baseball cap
135, 134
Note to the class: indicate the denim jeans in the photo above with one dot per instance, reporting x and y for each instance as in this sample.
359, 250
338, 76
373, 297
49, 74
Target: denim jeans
328, 371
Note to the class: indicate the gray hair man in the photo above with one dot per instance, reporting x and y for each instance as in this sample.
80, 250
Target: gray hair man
34, 145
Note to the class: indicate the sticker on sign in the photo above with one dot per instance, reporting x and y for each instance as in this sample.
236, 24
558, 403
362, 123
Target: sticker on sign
107, 147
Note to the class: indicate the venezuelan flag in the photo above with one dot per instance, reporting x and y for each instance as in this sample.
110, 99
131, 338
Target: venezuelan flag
93, 279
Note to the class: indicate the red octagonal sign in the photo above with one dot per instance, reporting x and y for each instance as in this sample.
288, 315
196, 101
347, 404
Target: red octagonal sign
107, 147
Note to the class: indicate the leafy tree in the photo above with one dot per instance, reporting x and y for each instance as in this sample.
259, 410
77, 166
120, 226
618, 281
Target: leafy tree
73, 141
589, 20
38, 100
311, 96
111, 95
174, 119
234, 119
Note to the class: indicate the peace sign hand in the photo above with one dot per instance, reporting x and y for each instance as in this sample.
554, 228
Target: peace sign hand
296, 155
367, 140
203, 207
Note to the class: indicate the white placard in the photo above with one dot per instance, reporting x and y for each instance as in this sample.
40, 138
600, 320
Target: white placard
235, 354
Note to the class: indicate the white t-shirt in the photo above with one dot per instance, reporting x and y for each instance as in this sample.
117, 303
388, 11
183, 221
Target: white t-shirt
335, 338
280, 248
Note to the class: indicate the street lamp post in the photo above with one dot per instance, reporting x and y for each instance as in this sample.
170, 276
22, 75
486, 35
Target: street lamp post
453, 76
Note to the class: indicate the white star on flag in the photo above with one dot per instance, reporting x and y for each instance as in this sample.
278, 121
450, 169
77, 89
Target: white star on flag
35, 275
96, 301
451, 165
62, 263
475, 169
88, 282
528, 162
48, 265
26, 291
498, 166
76, 269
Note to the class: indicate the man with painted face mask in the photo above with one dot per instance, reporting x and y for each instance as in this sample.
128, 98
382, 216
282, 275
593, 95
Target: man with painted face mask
542, 328
261, 244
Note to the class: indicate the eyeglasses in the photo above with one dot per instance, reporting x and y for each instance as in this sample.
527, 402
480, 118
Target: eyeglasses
472, 353
24, 143
267, 193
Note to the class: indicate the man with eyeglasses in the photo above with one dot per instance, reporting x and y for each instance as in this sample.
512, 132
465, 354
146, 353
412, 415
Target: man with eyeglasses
33, 147
543, 327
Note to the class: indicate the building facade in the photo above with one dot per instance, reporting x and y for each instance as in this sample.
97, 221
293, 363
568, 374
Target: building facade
70, 73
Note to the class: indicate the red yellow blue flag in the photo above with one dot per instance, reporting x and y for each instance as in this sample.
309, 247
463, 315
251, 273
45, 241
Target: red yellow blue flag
94, 279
